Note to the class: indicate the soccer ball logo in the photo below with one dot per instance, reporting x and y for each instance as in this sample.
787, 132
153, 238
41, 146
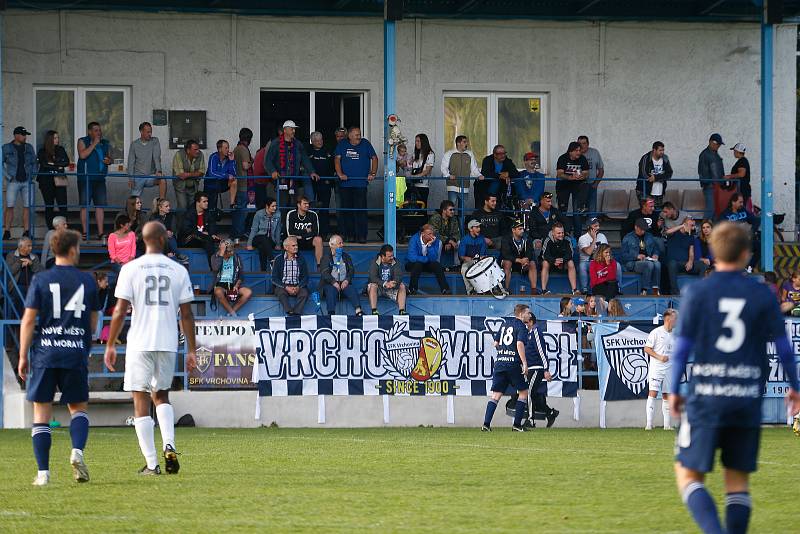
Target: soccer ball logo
634, 367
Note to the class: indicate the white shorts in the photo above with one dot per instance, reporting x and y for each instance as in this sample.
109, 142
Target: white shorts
149, 371
660, 379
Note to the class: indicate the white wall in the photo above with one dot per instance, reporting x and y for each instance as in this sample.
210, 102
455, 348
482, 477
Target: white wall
622, 84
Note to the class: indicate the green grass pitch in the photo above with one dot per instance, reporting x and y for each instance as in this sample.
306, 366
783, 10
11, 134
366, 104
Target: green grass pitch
379, 480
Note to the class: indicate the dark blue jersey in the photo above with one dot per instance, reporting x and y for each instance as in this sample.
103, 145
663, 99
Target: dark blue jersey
535, 352
65, 299
513, 330
729, 318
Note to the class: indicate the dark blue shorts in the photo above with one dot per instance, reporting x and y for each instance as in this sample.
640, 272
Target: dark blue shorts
696, 447
72, 383
92, 192
502, 378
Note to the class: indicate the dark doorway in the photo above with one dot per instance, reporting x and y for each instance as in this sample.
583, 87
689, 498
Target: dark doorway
332, 110
280, 106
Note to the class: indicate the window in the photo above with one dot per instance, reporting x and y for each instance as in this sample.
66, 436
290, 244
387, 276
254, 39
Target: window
69, 109
513, 120
322, 111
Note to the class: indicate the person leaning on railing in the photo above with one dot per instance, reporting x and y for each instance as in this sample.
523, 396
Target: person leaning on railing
94, 157
188, 166
19, 166
356, 164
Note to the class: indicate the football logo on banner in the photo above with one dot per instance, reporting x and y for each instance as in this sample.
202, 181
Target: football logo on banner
410, 358
203, 356
622, 352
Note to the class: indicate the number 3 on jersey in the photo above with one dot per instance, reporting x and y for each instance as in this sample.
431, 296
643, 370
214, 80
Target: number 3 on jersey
507, 337
75, 303
732, 308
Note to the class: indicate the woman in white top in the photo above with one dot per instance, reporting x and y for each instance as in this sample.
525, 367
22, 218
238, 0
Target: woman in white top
421, 167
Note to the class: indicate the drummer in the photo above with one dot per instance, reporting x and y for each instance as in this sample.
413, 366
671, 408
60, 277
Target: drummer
471, 249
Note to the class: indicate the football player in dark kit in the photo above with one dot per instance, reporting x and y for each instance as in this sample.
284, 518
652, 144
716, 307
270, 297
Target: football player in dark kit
726, 320
538, 371
65, 302
510, 367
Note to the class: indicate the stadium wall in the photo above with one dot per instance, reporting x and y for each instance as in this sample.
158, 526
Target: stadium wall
624, 84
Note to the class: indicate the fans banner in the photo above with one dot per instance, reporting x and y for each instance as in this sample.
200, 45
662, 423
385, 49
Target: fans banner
225, 355
623, 365
395, 355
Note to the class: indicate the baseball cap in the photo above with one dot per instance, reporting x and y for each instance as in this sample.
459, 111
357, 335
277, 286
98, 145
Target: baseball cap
20, 130
530, 155
517, 224
578, 301
739, 147
717, 138
641, 224
289, 124
592, 221
473, 223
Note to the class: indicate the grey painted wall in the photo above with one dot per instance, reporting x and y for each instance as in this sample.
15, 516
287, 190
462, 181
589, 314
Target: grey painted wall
623, 84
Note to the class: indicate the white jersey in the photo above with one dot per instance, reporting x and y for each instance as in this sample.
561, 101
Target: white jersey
660, 341
156, 286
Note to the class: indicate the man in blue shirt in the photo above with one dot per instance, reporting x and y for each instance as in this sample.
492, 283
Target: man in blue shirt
530, 184
728, 335
65, 301
356, 164
510, 367
94, 157
471, 249
424, 253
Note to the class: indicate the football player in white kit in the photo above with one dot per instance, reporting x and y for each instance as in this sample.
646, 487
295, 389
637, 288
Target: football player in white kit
157, 287
659, 348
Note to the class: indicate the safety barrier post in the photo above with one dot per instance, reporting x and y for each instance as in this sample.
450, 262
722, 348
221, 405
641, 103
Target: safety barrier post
767, 31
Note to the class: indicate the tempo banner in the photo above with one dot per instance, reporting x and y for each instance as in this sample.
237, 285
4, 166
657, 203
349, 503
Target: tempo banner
225, 355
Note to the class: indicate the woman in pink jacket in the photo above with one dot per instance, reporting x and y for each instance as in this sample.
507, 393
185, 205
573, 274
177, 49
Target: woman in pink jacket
122, 243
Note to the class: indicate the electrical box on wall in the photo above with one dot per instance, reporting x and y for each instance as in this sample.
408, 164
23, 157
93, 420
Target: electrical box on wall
186, 125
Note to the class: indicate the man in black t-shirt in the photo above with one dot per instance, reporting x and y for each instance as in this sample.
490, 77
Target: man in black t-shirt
646, 211
572, 169
303, 224
492, 221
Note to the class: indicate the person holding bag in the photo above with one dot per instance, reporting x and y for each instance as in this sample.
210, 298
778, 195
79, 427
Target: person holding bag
53, 160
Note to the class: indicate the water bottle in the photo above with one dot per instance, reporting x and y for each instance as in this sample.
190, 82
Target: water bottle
315, 299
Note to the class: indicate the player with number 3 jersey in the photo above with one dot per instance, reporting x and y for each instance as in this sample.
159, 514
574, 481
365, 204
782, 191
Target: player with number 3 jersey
726, 321
65, 301
157, 288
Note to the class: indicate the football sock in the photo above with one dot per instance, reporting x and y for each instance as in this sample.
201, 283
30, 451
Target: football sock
491, 406
651, 406
737, 512
665, 413
519, 411
702, 507
144, 431
40, 435
79, 430
166, 422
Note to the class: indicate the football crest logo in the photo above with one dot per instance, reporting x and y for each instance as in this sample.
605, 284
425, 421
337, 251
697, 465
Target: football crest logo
410, 358
625, 353
204, 356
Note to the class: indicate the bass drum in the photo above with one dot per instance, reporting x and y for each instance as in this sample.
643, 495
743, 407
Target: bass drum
487, 277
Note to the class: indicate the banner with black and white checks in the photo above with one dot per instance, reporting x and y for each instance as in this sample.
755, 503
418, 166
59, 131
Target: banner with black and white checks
395, 355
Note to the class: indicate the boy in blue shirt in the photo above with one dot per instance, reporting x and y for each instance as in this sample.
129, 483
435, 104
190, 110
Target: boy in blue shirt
510, 367
726, 320
65, 301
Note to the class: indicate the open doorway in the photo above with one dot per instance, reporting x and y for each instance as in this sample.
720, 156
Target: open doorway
322, 111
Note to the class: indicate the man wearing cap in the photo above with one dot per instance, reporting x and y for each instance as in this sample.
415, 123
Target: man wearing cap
471, 248
287, 157
356, 163
19, 166
459, 163
741, 172
557, 255
596, 172
542, 218
654, 171
530, 184
640, 254
710, 170
572, 170
518, 255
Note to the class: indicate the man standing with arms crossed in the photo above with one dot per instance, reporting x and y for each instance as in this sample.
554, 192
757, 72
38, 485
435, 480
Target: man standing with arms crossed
157, 288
